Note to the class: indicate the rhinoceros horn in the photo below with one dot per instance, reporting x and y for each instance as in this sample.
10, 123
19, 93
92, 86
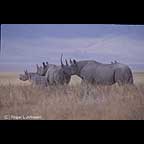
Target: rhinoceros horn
71, 61
61, 60
74, 61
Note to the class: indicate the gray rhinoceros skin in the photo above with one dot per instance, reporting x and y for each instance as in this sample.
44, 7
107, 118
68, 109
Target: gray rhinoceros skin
104, 74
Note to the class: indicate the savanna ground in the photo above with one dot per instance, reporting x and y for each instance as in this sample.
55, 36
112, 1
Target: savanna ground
19, 100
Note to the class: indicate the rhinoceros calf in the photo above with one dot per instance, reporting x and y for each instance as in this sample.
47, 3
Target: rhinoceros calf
35, 79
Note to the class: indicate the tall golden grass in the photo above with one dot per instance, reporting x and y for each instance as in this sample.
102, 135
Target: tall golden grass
72, 102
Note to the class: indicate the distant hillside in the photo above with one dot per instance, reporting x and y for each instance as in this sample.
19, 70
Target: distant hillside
17, 67
32, 67
137, 67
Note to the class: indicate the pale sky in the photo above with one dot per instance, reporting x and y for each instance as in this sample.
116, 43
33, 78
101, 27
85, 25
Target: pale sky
34, 43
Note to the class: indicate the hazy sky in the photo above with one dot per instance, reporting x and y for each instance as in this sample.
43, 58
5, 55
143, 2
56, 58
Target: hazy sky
34, 43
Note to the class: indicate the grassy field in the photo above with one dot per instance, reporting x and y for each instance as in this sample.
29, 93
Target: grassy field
19, 100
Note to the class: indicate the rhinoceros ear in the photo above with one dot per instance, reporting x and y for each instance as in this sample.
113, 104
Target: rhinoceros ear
70, 61
47, 63
62, 65
26, 72
115, 61
37, 67
74, 61
66, 62
44, 65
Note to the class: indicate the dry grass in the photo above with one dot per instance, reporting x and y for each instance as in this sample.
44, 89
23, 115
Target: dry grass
139, 77
7, 78
72, 102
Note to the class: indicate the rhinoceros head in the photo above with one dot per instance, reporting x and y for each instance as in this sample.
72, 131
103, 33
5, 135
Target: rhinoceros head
66, 67
74, 67
24, 76
42, 69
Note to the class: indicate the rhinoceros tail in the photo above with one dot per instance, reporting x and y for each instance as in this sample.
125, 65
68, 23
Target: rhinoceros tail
124, 76
130, 80
128, 76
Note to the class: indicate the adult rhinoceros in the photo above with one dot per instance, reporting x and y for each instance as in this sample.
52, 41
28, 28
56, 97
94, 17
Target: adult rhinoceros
55, 74
34, 78
98, 73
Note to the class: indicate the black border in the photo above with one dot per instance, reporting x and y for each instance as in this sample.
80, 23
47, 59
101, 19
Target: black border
100, 12
76, 14
64, 17
74, 19
71, 131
